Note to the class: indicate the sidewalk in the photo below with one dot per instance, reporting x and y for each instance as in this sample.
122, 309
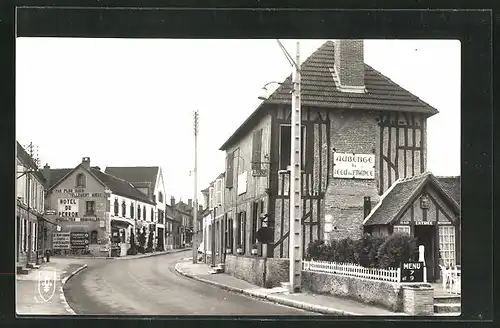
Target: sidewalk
324, 304
127, 257
28, 300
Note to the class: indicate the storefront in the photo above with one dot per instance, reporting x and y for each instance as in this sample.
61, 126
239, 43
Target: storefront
422, 208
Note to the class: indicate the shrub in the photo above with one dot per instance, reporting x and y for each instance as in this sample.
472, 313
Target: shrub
397, 248
366, 248
132, 251
142, 241
149, 249
345, 250
317, 250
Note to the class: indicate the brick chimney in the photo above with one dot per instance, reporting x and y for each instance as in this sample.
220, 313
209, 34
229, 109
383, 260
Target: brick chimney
349, 65
172, 201
190, 203
46, 175
86, 162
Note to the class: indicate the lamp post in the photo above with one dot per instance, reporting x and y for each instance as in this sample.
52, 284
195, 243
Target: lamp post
295, 238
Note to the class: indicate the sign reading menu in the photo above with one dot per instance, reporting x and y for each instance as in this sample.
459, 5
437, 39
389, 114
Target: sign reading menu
353, 166
412, 272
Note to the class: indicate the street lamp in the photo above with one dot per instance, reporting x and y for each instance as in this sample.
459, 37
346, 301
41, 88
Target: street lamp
295, 243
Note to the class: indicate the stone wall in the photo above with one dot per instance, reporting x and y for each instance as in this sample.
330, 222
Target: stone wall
251, 269
418, 299
378, 293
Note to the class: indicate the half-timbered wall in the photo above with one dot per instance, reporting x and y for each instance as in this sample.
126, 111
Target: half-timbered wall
403, 143
255, 186
314, 179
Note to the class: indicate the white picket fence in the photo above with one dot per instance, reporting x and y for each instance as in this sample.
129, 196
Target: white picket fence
352, 270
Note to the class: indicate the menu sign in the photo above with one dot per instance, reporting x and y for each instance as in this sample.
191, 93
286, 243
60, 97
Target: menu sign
79, 240
412, 272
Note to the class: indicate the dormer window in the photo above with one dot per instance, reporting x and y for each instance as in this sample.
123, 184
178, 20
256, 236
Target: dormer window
80, 180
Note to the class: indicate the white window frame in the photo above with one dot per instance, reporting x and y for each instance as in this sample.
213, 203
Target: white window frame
447, 238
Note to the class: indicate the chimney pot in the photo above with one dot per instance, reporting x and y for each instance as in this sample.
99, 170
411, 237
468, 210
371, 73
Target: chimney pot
86, 162
190, 203
46, 175
172, 201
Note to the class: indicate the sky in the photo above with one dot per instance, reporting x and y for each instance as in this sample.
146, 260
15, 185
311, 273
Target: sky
130, 102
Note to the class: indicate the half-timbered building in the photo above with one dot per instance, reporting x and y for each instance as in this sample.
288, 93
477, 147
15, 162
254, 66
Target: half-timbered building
427, 208
360, 133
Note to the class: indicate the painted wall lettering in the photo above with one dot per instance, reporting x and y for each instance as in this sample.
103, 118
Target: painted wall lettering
354, 166
67, 207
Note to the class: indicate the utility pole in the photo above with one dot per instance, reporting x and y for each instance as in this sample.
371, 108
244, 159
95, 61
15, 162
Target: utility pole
28, 202
195, 201
295, 242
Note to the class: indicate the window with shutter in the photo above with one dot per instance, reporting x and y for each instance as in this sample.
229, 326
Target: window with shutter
218, 192
229, 170
256, 149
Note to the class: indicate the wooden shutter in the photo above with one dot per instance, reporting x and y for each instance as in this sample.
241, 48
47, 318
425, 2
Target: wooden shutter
229, 170
256, 149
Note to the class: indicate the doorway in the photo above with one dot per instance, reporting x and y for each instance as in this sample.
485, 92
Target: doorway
426, 236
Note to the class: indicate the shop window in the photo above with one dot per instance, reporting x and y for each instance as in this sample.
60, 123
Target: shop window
115, 206
90, 207
124, 209
447, 245
81, 181
93, 237
286, 146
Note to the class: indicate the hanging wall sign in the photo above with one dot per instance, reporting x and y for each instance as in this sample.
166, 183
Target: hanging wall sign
353, 166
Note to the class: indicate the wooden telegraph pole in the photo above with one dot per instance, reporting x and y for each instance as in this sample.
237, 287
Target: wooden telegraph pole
195, 200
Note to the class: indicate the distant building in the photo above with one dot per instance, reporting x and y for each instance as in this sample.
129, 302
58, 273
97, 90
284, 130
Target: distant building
149, 180
103, 208
31, 226
182, 215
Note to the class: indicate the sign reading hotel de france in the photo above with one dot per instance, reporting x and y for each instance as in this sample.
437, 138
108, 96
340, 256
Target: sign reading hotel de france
354, 166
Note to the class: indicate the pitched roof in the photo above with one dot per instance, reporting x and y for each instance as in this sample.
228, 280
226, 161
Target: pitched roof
56, 175
318, 89
120, 186
395, 200
134, 174
452, 186
116, 185
27, 160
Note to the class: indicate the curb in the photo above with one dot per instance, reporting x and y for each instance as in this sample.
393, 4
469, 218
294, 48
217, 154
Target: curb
272, 298
128, 257
61, 289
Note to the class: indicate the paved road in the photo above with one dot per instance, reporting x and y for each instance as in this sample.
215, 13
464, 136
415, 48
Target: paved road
151, 286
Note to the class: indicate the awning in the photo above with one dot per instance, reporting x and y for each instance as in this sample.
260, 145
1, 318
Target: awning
47, 220
121, 221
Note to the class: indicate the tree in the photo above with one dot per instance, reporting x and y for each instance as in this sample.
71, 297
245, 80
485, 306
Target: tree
133, 247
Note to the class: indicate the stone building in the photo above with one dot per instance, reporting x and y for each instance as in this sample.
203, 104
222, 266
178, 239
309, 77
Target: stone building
360, 133
97, 211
